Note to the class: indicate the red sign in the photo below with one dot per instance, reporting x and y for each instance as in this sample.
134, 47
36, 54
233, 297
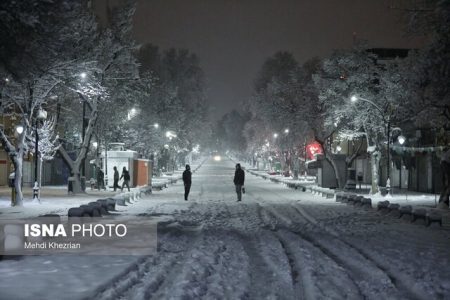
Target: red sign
313, 149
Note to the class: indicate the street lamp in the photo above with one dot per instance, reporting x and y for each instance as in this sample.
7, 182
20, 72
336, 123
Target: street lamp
170, 134
19, 129
286, 130
83, 75
275, 135
156, 125
131, 113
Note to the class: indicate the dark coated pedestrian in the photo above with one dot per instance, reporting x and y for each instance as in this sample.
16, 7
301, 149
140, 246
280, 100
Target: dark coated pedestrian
116, 179
100, 180
187, 180
445, 170
239, 178
126, 178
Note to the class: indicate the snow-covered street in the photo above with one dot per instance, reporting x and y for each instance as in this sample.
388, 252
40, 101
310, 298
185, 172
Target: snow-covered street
276, 244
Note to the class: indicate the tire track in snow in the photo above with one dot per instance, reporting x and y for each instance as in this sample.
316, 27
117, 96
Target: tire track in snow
134, 277
305, 256
267, 270
398, 280
301, 252
358, 263
395, 280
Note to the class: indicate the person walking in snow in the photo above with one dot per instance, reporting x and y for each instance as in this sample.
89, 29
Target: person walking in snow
126, 178
445, 170
116, 179
239, 178
100, 180
187, 180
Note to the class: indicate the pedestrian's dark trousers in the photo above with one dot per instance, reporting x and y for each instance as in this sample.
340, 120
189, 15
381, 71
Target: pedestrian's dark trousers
239, 191
116, 184
187, 188
126, 183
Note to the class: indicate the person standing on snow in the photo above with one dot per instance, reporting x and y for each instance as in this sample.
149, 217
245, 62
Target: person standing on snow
116, 179
126, 178
187, 180
445, 169
239, 178
100, 180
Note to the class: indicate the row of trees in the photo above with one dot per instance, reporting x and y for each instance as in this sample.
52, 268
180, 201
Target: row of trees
55, 56
313, 100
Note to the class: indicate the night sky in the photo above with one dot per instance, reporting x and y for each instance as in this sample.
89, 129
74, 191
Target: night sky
233, 37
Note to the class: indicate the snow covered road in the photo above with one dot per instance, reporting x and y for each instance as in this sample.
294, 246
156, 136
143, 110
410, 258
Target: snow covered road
276, 244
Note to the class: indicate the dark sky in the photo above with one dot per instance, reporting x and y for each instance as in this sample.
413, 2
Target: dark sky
233, 37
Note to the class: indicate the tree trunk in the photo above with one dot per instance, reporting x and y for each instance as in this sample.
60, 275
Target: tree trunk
18, 162
16, 156
77, 187
74, 185
329, 157
335, 169
375, 164
75, 166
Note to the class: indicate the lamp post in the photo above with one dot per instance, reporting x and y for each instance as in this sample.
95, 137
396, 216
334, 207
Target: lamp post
41, 115
83, 76
401, 140
387, 123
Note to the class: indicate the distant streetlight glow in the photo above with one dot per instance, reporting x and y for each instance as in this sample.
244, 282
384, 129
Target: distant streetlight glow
286, 131
401, 139
19, 129
275, 135
338, 148
95, 144
156, 125
132, 113
42, 114
353, 98
83, 75
170, 135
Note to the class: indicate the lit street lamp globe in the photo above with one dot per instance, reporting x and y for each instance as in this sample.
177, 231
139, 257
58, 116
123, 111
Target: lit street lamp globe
19, 129
401, 139
353, 98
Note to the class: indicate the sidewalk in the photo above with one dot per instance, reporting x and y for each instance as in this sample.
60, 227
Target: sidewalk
400, 202
56, 200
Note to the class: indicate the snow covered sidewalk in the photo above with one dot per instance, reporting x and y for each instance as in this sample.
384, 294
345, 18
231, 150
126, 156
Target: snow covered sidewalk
411, 205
